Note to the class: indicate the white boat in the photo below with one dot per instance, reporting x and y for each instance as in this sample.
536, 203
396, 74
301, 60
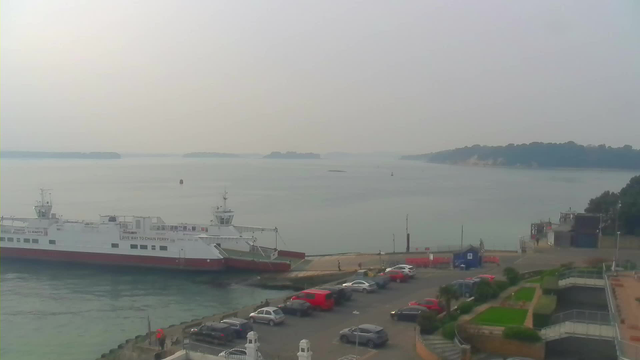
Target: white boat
141, 241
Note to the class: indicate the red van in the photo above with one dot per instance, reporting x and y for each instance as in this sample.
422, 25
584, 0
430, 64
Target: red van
319, 299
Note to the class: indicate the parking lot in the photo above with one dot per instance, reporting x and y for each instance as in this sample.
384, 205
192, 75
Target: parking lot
322, 328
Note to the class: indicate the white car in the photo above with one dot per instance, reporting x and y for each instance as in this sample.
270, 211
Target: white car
236, 354
407, 269
364, 286
269, 315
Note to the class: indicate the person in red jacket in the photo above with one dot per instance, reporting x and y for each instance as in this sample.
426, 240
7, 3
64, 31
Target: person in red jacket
162, 338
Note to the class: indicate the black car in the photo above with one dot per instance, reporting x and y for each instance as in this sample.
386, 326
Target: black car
296, 307
213, 332
409, 313
240, 326
340, 294
381, 280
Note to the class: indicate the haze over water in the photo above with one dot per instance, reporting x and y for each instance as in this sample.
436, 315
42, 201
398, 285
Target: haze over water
79, 312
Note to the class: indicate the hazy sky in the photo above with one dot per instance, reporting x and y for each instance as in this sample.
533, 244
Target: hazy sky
358, 76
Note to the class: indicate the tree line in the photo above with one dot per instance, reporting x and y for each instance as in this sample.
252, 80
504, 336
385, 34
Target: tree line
619, 210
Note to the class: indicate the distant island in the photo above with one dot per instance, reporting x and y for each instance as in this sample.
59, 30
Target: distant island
537, 154
291, 155
59, 155
215, 155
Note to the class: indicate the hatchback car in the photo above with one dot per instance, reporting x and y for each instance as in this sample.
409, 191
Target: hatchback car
296, 307
465, 288
269, 315
380, 280
213, 332
407, 269
319, 299
340, 294
364, 286
240, 326
236, 354
396, 275
371, 335
430, 304
409, 313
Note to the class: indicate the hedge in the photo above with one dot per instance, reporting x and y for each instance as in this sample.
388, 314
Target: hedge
449, 331
466, 307
501, 285
521, 333
549, 285
428, 322
542, 311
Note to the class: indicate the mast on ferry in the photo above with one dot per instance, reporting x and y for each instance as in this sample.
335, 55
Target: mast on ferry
224, 215
44, 206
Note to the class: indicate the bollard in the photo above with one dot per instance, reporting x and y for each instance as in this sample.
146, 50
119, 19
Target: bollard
252, 346
305, 350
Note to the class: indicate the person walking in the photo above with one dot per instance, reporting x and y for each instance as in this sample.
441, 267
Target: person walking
339, 268
162, 338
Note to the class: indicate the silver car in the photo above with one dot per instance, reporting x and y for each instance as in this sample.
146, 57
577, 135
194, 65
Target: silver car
268, 315
371, 335
364, 286
236, 354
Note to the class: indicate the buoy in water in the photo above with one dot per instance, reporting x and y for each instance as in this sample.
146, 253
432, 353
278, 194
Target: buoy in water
181, 182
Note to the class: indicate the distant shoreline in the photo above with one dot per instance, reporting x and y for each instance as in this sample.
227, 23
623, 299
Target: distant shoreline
527, 167
59, 155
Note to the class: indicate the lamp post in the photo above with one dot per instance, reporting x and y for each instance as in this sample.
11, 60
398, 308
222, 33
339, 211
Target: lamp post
355, 312
617, 232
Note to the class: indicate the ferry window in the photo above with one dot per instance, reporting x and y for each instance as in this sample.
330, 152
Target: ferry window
2, 238
144, 247
115, 245
10, 239
153, 247
28, 241
134, 246
17, 239
163, 248
35, 241
52, 242
138, 225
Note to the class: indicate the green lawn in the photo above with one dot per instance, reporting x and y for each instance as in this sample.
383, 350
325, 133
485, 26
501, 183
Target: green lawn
500, 316
536, 280
524, 294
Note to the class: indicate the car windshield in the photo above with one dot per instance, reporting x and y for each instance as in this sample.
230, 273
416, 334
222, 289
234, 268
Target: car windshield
277, 312
369, 282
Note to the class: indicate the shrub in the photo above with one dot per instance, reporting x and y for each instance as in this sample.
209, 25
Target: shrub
521, 333
512, 275
466, 307
485, 291
450, 317
501, 285
545, 306
449, 331
549, 285
428, 322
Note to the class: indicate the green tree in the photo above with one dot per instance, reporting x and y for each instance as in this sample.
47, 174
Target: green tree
448, 293
606, 204
512, 275
629, 215
428, 322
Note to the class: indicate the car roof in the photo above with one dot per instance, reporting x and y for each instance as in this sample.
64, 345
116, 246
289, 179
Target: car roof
415, 307
371, 327
302, 302
316, 291
217, 325
235, 320
269, 308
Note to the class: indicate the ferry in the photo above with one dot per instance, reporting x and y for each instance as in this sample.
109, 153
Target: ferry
143, 241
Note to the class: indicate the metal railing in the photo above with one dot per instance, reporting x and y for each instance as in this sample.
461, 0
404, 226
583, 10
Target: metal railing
581, 273
579, 329
582, 316
625, 349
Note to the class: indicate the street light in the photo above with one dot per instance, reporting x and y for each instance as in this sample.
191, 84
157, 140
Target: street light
617, 245
355, 312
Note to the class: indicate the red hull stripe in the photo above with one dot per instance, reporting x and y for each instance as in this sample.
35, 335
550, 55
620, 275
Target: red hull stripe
144, 261
113, 259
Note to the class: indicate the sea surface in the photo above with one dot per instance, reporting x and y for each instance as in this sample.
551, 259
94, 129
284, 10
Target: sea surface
54, 311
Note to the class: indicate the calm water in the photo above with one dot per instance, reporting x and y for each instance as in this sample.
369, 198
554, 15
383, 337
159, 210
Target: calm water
75, 312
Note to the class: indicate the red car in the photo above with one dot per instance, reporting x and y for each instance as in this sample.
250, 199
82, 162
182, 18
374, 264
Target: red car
483, 277
431, 304
396, 275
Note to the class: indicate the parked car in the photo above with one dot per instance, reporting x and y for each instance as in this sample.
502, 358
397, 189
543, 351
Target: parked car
241, 327
409, 313
431, 304
407, 269
364, 286
465, 288
340, 294
319, 299
213, 332
371, 335
380, 280
396, 275
270, 315
483, 277
236, 354
296, 307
